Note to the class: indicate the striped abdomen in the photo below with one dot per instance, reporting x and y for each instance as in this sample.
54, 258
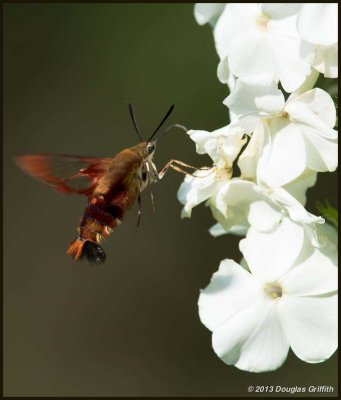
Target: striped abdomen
112, 198
96, 224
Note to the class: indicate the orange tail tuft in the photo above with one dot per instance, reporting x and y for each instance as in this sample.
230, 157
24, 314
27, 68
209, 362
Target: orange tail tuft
75, 249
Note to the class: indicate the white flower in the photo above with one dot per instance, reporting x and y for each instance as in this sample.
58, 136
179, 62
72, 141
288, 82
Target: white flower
225, 76
207, 12
292, 136
317, 24
200, 187
326, 60
240, 204
261, 38
288, 299
223, 146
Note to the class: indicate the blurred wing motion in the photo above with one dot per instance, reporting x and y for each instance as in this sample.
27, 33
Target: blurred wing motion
67, 174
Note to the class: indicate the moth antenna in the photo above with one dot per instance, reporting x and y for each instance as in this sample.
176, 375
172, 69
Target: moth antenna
162, 122
133, 118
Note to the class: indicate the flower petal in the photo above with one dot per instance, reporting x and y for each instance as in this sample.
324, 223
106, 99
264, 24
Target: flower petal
326, 60
269, 255
222, 145
242, 201
314, 274
248, 160
291, 69
223, 70
321, 153
264, 215
225, 295
298, 187
250, 55
317, 23
314, 109
200, 138
253, 339
196, 189
310, 324
235, 20
218, 230
224, 74
308, 84
207, 12
323, 58
295, 209
254, 98
328, 234
280, 10
284, 156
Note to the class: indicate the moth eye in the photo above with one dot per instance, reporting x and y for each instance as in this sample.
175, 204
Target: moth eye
150, 147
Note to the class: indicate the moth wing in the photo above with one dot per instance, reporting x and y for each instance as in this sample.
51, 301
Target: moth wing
66, 174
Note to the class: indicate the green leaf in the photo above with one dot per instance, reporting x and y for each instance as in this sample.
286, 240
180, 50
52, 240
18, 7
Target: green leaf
328, 212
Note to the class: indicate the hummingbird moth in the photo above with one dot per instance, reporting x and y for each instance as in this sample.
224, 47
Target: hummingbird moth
112, 186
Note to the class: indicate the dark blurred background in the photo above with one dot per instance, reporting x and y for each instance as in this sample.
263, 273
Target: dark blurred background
130, 327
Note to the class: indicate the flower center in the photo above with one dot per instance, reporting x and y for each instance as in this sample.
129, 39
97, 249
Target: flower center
262, 22
283, 114
223, 174
273, 290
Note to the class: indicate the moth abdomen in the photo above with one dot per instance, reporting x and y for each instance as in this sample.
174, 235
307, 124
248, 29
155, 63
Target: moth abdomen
95, 225
93, 252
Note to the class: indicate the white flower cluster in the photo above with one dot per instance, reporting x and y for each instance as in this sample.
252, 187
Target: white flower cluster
284, 293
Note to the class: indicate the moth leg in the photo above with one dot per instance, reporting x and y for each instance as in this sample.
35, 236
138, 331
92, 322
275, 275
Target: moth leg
174, 164
152, 171
152, 198
153, 177
184, 164
139, 212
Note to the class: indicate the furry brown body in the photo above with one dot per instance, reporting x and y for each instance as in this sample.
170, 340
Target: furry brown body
115, 194
112, 186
